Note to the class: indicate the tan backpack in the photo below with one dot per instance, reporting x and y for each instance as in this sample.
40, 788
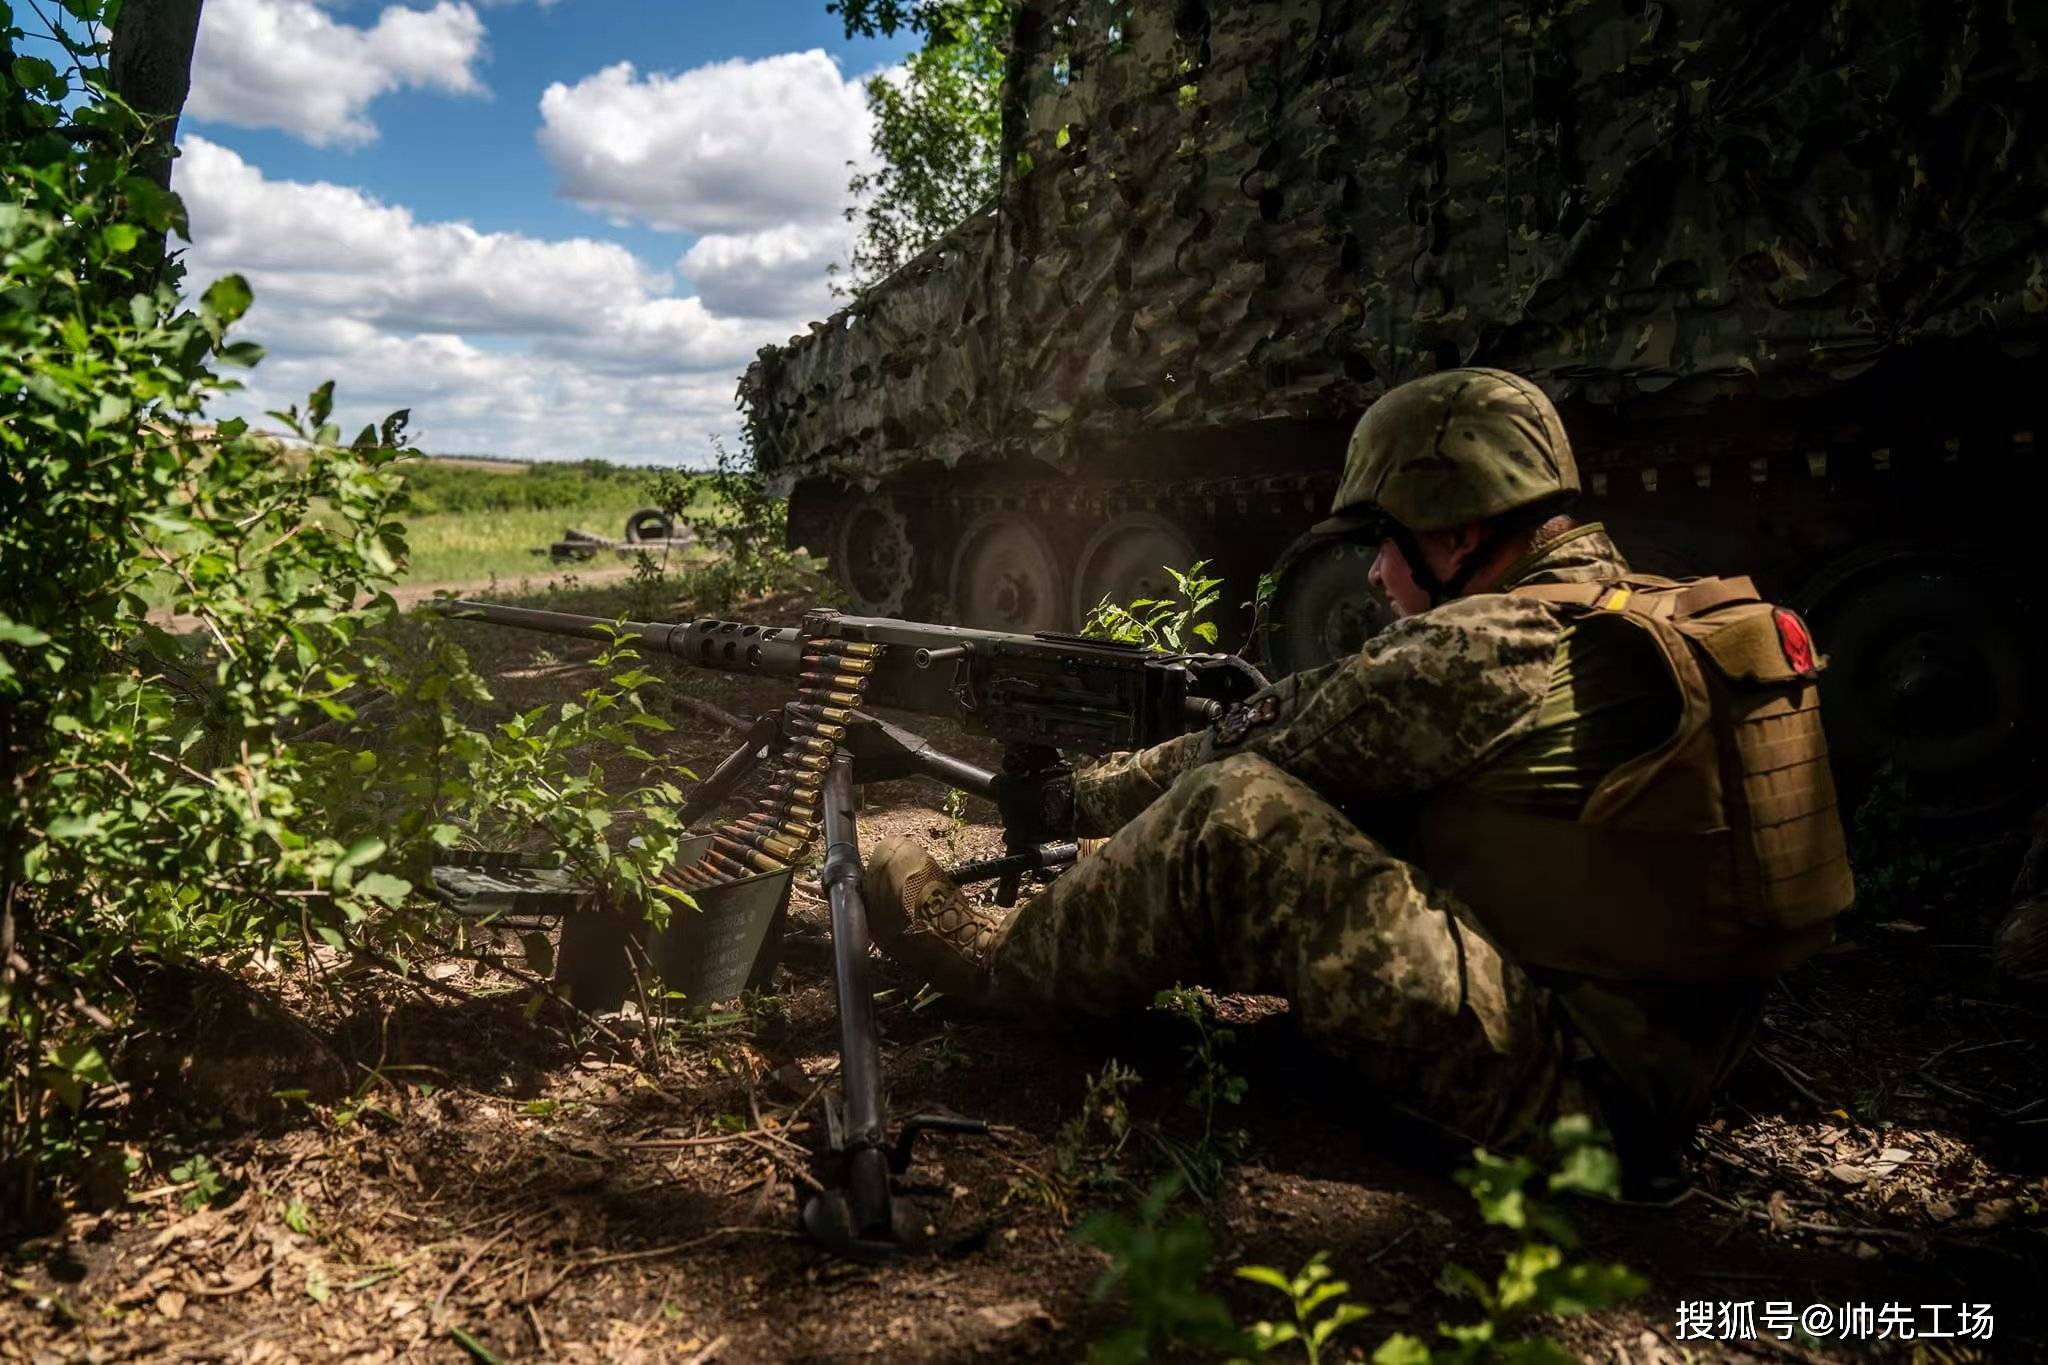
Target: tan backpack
1718, 855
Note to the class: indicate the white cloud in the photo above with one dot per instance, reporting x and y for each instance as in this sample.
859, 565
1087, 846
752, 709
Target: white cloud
731, 147
287, 64
777, 272
500, 342
335, 248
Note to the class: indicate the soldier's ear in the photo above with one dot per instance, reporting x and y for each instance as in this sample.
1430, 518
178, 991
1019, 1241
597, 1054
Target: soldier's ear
1460, 543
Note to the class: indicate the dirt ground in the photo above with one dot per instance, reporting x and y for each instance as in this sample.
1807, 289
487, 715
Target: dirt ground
416, 1170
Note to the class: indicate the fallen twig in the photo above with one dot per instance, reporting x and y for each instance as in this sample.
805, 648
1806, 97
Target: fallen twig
1793, 1225
711, 1348
540, 1334
653, 1253
232, 1287
441, 1298
1792, 1075
1406, 1233
715, 714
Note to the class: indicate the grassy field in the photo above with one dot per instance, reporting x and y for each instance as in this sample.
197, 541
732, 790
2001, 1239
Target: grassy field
470, 546
469, 522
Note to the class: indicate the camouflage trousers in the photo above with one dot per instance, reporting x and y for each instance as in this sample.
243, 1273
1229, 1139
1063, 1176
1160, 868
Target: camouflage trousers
1241, 878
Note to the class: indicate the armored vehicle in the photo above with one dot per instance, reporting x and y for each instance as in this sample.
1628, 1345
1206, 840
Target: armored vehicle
1783, 267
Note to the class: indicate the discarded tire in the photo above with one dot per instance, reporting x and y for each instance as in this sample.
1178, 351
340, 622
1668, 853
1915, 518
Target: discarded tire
649, 523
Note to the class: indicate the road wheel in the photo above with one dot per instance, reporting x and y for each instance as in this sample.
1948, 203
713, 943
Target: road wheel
1127, 560
872, 556
1006, 576
1322, 608
1933, 668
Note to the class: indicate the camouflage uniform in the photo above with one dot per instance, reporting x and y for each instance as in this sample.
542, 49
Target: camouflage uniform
1279, 851
1241, 860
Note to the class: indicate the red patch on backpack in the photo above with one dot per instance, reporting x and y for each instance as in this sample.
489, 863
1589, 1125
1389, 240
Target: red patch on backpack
1796, 641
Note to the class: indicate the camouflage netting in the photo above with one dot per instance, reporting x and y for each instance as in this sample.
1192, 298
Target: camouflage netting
1213, 215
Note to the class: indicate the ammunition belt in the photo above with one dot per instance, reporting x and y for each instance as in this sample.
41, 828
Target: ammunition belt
786, 814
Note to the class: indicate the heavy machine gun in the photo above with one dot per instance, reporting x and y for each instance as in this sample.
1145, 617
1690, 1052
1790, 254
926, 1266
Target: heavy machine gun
1044, 696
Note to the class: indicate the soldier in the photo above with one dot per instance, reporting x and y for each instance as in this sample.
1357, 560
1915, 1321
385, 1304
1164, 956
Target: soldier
1538, 847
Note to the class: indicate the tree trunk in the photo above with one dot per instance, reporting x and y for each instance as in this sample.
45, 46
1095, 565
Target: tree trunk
151, 68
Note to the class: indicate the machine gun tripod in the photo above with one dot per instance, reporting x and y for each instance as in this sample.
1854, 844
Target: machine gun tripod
857, 1216
1042, 695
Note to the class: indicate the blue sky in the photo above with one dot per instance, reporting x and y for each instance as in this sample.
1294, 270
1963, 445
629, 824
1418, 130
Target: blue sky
475, 208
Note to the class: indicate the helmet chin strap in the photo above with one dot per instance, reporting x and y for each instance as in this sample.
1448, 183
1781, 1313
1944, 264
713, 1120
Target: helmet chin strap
1442, 590
1503, 531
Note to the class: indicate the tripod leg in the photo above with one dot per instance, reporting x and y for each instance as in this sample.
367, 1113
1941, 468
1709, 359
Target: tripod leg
860, 1055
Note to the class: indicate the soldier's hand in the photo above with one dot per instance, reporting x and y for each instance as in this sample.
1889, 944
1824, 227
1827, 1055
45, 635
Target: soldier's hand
1038, 808
1224, 677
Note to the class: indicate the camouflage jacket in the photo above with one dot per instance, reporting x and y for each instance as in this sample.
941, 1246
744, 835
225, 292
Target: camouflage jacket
1426, 704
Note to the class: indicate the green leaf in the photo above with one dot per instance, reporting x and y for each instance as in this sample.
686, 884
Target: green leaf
1590, 1170
227, 298
121, 238
1320, 1295
1457, 1280
13, 633
1267, 1335
154, 207
1342, 1316
67, 1088
33, 73
75, 826
320, 404
1266, 1275
1588, 1288
382, 886
366, 850
1401, 1349
540, 953
1574, 1130
111, 408
84, 1061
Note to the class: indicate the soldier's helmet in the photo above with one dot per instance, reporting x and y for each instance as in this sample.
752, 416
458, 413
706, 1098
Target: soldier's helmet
1454, 447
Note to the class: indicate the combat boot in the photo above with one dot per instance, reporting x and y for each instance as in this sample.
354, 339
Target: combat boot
920, 918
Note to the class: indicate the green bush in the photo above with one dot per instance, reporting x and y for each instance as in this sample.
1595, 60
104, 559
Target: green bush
167, 796
1159, 1264
444, 486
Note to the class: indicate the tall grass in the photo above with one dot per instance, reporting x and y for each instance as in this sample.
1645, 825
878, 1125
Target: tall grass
474, 486
452, 547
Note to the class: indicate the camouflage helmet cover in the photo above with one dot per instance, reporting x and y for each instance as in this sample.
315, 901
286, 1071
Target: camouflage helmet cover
1454, 447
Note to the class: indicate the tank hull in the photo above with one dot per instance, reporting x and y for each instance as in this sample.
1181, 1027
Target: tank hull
1781, 268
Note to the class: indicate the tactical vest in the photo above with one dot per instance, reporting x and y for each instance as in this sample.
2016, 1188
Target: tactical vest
1716, 856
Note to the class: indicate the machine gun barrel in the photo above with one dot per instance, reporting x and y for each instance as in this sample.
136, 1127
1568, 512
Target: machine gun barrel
733, 646
1054, 691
